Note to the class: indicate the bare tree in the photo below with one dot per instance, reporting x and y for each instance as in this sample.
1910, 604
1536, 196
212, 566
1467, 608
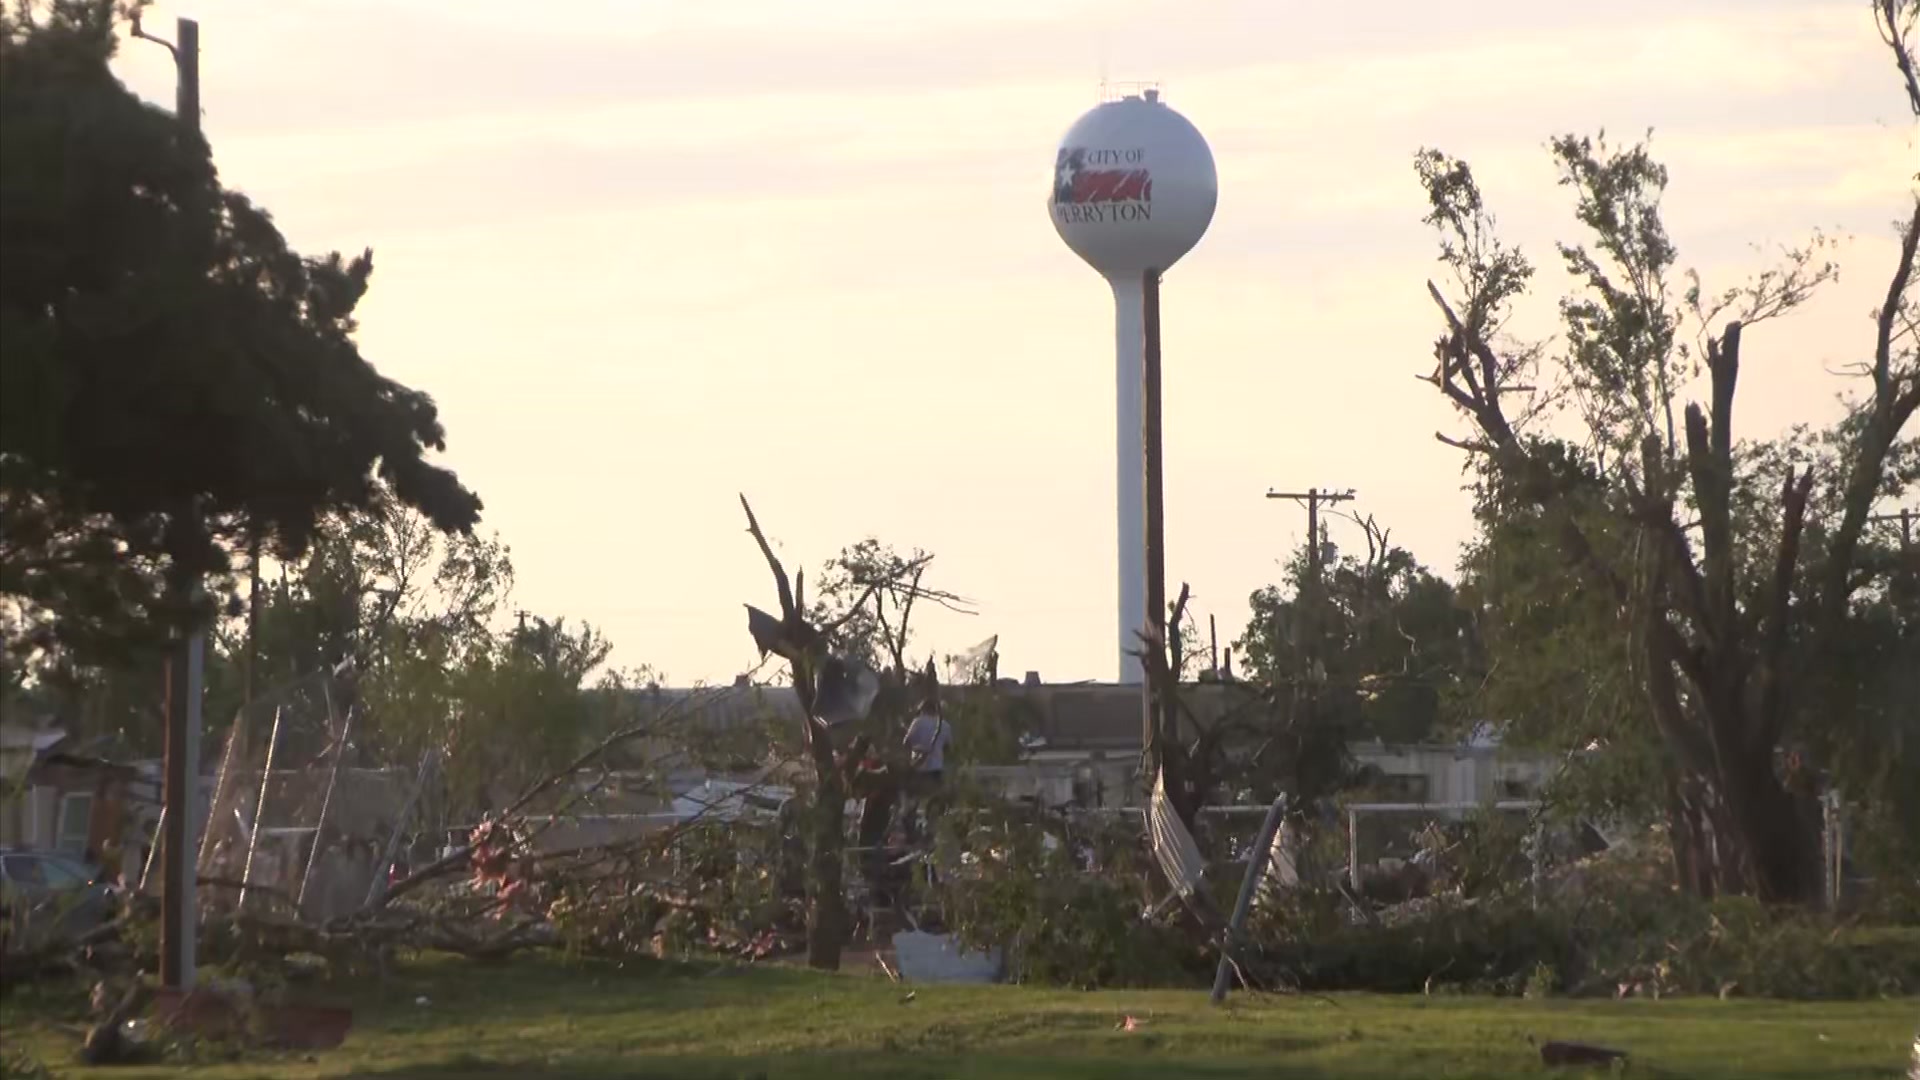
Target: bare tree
828, 655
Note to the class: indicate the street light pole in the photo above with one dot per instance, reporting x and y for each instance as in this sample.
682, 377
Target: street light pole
184, 668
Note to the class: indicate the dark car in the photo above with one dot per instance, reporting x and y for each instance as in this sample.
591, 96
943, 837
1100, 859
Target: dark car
46, 896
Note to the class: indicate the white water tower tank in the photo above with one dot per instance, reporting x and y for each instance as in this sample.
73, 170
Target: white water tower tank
1133, 186
1133, 190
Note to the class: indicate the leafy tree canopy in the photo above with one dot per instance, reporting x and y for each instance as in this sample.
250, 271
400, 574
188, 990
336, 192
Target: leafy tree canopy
1717, 608
1393, 642
176, 381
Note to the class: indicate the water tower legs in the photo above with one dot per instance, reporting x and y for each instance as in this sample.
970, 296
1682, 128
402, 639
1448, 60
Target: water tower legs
1130, 470
1137, 511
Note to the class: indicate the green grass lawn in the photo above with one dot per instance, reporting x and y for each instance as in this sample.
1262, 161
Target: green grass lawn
590, 1021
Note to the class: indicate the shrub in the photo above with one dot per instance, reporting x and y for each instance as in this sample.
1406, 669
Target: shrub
1738, 946
1617, 928
1653, 942
1490, 947
1085, 933
1001, 884
17, 1064
716, 888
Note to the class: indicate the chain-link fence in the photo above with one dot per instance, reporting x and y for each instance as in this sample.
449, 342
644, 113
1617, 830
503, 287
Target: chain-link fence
296, 816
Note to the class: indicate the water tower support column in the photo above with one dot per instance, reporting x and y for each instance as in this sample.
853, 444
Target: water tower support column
1133, 190
1130, 468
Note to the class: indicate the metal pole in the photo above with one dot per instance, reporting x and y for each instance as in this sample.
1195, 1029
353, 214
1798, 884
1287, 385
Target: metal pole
177, 863
1826, 849
259, 810
176, 829
1353, 848
1536, 843
1155, 523
220, 783
1836, 850
326, 802
379, 883
177, 917
1310, 621
153, 849
253, 620
1256, 868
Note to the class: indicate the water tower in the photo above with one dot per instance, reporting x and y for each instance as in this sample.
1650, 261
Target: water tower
1133, 190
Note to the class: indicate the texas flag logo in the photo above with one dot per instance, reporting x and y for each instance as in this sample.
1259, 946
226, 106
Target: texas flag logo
1074, 183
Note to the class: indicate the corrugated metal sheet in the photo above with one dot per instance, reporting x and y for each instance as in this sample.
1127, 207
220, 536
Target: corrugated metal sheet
1173, 845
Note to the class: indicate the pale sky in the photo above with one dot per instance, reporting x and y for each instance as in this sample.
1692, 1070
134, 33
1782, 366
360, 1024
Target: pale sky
648, 255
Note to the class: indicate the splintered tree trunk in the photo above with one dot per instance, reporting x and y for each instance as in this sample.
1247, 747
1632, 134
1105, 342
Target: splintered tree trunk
1687, 832
1775, 832
1737, 830
826, 897
803, 646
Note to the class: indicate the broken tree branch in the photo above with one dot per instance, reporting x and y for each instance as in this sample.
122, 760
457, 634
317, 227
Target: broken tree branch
1793, 508
458, 857
773, 561
1896, 32
1893, 404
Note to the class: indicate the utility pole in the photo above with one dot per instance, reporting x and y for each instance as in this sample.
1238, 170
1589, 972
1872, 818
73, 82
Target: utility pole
1910, 565
1312, 498
253, 620
1905, 518
178, 911
1153, 708
1906, 547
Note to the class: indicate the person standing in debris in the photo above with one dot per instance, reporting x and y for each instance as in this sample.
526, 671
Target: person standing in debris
927, 739
869, 780
926, 742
